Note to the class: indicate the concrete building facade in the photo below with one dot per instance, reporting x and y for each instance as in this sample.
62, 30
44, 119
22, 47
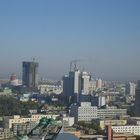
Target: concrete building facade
30, 74
132, 129
86, 112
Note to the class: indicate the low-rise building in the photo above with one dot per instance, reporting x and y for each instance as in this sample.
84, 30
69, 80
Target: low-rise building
135, 120
132, 129
104, 123
68, 121
86, 112
110, 112
113, 135
50, 88
123, 137
17, 119
23, 128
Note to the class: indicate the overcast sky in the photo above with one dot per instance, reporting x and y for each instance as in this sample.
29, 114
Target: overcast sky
103, 34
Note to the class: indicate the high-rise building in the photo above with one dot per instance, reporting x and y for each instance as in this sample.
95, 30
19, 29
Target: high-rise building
72, 85
75, 82
137, 100
130, 89
85, 83
66, 87
30, 74
98, 83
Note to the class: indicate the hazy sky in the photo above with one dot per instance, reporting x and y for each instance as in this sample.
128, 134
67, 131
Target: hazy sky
103, 34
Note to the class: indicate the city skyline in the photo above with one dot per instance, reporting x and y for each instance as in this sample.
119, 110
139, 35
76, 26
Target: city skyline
104, 35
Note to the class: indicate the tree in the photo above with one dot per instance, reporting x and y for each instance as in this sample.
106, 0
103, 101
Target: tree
11, 106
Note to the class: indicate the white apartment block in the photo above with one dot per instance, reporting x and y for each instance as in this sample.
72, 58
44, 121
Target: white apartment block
133, 129
86, 112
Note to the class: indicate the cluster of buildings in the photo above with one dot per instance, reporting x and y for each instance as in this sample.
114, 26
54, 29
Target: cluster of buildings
86, 112
17, 125
87, 100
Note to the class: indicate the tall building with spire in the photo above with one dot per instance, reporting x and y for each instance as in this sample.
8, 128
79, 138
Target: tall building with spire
30, 74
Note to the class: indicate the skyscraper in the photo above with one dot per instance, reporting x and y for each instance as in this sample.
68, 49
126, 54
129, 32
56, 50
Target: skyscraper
137, 100
75, 82
130, 89
30, 74
76, 85
66, 87
72, 85
85, 82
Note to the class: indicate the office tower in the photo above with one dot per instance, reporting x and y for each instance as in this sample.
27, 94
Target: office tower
30, 74
66, 87
85, 83
137, 100
130, 89
98, 83
72, 85
75, 82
